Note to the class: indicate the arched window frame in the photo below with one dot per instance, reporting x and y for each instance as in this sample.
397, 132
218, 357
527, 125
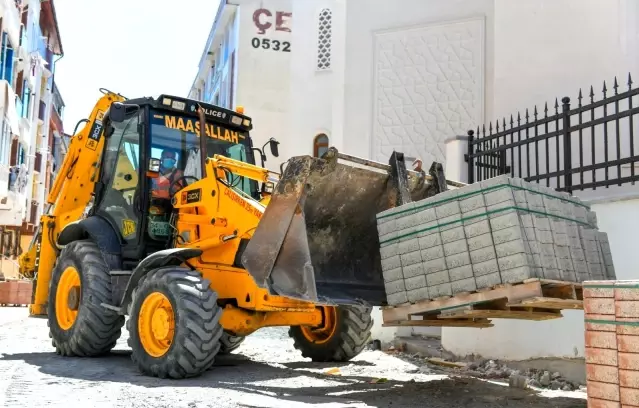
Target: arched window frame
321, 141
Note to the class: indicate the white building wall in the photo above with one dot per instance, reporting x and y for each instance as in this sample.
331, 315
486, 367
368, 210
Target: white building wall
403, 71
311, 84
264, 57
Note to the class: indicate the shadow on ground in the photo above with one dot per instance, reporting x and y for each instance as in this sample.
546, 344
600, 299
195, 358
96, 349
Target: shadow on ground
293, 382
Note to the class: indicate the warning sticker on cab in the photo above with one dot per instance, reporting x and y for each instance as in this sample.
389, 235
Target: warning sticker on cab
96, 131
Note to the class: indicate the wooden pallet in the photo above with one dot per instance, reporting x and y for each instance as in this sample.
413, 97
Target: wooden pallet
533, 299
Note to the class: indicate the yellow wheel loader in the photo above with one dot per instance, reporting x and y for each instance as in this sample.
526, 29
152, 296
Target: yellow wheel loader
160, 213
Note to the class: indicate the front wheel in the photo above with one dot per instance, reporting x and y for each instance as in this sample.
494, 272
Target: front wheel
174, 329
344, 333
78, 323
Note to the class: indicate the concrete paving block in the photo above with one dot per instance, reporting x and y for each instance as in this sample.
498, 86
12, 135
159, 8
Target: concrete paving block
386, 227
387, 239
447, 209
482, 255
426, 215
514, 233
475, 216
461, 272
389, 250
503, 220
510, 248
440, 290
496, 181
558, 225
458, 260
518, 274
482, 227
429, 241
552, 205
541, 223
456, 247
428, 228
503, 196
526, 219
391, 263
535, 201
560, 239
394, 286
434, 266
395, 299
471, 203
418, 295
411, 271
544, 236
453, 234
513, 261
445, 196
416, 282
437, 278
580, 213
591, 218
485, 268
449, 222
410, 245
463, 285
520, 198
432, 253
411, 258
393, 275
479, 242
407, 234
488, 281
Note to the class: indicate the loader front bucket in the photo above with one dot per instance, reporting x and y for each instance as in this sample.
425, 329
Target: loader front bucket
317, 239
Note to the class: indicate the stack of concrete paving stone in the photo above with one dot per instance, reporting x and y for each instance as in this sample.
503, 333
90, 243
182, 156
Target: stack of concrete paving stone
502, 230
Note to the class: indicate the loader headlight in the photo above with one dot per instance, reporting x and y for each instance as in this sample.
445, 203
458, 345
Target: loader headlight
236, 120
246, 122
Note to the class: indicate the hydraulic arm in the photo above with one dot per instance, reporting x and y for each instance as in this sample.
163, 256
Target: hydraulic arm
66, 203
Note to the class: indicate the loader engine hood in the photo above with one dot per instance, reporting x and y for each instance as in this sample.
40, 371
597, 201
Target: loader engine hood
317, 240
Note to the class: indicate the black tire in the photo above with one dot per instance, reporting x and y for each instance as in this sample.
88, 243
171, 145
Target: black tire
96, 329
228, 343
353, 333
197, 331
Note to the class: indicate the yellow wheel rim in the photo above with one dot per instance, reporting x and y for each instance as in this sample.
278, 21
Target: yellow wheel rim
156, 324
325, 332
67, 298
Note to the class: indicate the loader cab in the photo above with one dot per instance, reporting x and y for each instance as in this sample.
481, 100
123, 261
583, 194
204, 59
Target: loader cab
152, 151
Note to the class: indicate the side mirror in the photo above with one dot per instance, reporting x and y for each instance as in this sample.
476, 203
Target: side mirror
119, 112
154, 166
274, 149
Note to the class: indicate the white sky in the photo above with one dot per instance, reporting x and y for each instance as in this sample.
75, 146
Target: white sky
134, 47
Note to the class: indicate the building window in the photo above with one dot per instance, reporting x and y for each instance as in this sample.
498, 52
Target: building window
6, 69
324, 39
320, 145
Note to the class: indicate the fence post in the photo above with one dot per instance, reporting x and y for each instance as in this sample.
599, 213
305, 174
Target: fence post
469, 159
567, 145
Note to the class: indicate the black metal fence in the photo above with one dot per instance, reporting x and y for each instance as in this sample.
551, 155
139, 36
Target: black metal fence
571, 148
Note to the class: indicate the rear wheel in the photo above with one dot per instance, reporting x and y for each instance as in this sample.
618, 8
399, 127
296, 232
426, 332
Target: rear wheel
228, 342
344, 333
80, 283
174, 328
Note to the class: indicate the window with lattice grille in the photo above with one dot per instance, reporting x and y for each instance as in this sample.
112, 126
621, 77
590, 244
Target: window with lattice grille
324, 39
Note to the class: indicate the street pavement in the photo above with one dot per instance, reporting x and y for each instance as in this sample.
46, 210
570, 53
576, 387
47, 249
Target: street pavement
266, 371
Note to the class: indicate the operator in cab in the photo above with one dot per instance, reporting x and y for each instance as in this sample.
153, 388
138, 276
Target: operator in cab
168, 174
